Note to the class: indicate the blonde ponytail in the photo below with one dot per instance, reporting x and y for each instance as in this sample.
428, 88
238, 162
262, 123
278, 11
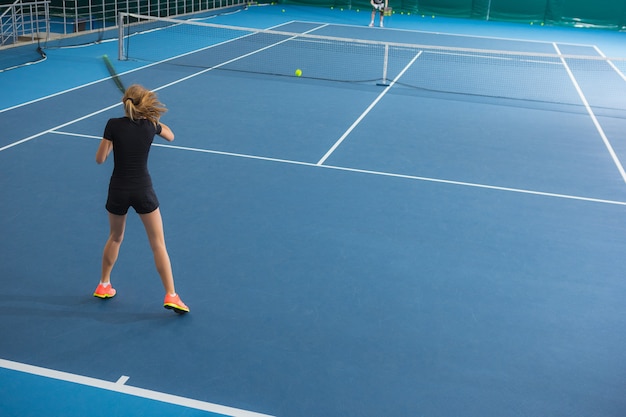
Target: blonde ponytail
140, 103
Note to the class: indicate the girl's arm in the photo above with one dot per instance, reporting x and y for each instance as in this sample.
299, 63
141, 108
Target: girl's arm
166, 132
103, 150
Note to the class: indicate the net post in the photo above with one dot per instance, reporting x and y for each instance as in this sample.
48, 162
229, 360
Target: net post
384, 82
120, 36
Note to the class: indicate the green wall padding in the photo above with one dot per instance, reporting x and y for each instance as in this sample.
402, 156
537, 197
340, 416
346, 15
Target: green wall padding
452, 8
516, 11
598, 13
608, 14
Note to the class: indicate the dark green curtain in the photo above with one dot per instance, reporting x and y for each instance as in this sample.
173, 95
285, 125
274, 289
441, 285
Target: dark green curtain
608, 14
453, 8
596, 13
526, 11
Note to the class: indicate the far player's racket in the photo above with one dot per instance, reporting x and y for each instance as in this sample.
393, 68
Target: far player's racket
116, 78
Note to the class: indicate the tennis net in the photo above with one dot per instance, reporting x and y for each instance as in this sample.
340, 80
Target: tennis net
510, 75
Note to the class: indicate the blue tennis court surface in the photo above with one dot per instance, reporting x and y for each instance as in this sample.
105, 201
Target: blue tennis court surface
346, 248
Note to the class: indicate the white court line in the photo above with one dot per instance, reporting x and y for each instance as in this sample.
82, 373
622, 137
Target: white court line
617, 70
371, 172
60, 93
123, 380
125, 389
370, 107
57, 127
595, 121
80, 135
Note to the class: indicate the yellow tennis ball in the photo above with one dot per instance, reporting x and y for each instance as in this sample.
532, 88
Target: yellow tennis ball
298, 72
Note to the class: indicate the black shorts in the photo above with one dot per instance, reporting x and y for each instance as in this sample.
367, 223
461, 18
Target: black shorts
144, 201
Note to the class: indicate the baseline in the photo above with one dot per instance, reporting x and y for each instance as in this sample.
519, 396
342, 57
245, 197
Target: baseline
593, 117
120, 387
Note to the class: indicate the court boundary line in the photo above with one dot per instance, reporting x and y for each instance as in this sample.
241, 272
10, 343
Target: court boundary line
592, 115
608, 60
51, 130
369, 172
127, 389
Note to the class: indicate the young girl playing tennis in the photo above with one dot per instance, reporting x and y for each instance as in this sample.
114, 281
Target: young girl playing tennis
130, 138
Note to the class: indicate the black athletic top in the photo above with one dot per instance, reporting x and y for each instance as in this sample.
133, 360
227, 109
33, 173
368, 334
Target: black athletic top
131, 146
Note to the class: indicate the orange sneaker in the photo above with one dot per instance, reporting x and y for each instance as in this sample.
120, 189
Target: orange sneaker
104, 292
173, 302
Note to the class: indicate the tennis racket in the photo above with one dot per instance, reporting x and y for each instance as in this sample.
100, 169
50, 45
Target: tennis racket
116, 78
